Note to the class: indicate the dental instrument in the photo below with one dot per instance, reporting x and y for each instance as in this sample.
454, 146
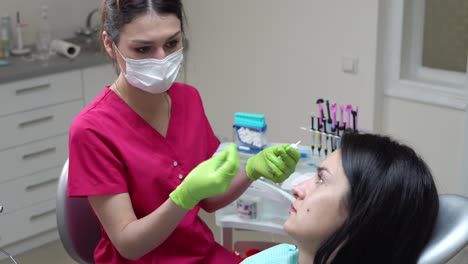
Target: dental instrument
320, 104
328, 111
312, 142
354, 113
319, 139
343, 123
348, 109
325, 149
333, 111
356, 118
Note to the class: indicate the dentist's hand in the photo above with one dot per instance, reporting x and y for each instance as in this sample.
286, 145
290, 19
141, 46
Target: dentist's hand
208, 179
275, 163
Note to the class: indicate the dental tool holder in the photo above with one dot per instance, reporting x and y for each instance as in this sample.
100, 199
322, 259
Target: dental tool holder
322, 143
326, 129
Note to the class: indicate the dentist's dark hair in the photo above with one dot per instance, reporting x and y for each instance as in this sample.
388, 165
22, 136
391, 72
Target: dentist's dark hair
115, 14
392, 204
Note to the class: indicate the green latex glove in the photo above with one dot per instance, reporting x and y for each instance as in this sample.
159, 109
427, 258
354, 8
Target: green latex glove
275, 163
209, 178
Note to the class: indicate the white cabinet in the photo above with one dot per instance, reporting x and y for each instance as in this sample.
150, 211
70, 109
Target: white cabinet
35, 117
38, 92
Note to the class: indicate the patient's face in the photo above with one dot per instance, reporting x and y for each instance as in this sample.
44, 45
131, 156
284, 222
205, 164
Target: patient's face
320, 206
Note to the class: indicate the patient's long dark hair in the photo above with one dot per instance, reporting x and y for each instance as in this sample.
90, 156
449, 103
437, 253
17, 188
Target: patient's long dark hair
393, 204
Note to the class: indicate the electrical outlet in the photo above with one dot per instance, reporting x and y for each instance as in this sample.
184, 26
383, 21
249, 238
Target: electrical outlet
349, 64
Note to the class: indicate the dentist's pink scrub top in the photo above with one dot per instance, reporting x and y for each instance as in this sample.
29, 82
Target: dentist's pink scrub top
113, 150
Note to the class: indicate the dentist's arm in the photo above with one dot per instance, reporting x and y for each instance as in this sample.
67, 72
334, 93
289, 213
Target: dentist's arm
133, 237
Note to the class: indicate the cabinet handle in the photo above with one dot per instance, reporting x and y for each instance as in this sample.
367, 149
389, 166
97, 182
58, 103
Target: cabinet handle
35, 217
38, 185
35, 121
32, 89
38, 153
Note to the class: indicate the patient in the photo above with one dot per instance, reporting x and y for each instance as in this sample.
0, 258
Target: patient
372, 201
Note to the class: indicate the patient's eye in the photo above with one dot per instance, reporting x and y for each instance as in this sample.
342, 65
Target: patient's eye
319, 179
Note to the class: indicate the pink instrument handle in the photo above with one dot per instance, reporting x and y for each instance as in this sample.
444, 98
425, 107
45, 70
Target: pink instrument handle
333, 111
341, 113
349, 108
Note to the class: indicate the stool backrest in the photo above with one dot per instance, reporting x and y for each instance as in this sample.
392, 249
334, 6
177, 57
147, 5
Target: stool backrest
78, 226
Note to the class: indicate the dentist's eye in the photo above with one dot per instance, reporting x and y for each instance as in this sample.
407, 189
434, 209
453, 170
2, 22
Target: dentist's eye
142, 50
172, 44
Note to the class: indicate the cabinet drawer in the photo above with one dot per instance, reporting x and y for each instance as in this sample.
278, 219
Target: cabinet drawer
29, 190
33, 125
27, 222
42, 91
33, 157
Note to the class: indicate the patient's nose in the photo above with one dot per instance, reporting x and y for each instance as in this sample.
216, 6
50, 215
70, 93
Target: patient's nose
298, 191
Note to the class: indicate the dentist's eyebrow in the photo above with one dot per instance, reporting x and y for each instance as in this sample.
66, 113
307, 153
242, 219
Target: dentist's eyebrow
177, 34
147, 42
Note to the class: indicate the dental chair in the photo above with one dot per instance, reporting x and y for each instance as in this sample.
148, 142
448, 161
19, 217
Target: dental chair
77, 225
80, 232
450, 235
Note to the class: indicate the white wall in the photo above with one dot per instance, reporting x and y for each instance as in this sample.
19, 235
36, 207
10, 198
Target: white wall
65, 16
277, 57
436, 133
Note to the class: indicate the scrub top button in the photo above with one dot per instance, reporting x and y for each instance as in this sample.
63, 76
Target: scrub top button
181, 176
175, 163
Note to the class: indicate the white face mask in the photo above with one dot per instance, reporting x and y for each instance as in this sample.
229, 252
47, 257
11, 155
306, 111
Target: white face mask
153, 75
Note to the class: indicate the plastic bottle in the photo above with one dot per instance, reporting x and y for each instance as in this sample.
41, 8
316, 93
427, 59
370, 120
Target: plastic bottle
5, 35
44, 36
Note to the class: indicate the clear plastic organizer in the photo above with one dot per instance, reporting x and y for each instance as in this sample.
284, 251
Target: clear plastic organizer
249, 132
249, 139
263, 207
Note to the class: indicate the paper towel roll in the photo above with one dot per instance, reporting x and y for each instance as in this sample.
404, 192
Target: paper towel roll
65, 48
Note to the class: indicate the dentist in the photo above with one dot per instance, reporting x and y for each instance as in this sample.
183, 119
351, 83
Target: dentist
142, 150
